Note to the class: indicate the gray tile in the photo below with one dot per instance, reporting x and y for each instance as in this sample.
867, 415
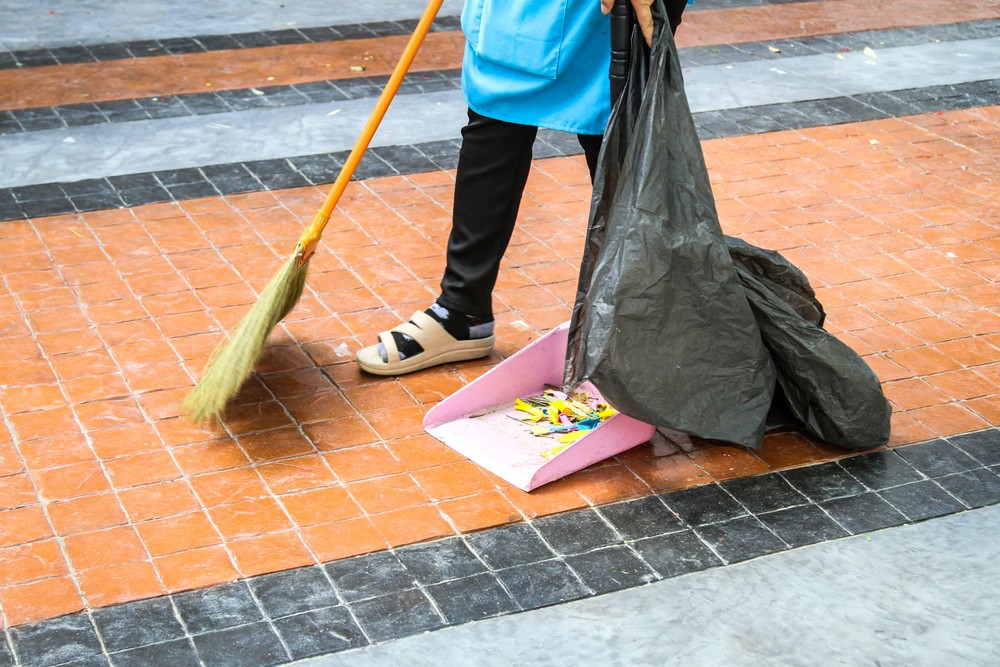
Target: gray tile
975, 488
294, 591
440, 561
881, 470
174, 653
764, 493
937, 458
922, 500
799, 526
823, 482
646, 517
56, 641
217, 607
396, 615
256, 644
472, 598
575, 532
867, 512
740, 539
126, 626
508, 546
321, 631
703, 504
541, 584
984, 446
369, 576
611, 569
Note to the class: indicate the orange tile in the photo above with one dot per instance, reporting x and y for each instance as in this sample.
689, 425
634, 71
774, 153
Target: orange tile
339, 433
483, 510
96, 387
180, 533
935, 330
988, 408
610, 483
411, 524
924, 360
963, 384
123, 582
31, 397
158, 501
453, 480
970, 351
724, 462
327, 505
276, 445
906, 430
364, 462
298, 474
342, 539
130, 439
28, 562
39, 600
558, 496
949, 419
912, 394
380, 396
198, 568
105, 547
398, 422
666, 473
270, 553
788, 450
145, 468
10, 461
423, 451
211, 456
89, 513
229, 486
60, 450
387, 493
44, 423
318, 407
72, 481
249, 518
16, 491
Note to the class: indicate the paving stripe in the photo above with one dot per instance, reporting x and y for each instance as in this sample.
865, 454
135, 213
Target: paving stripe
499, 572
93, 152
169, 105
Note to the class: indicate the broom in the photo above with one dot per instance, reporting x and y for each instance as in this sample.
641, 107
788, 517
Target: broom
233, 360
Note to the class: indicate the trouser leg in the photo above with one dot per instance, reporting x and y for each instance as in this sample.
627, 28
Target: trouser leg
493, 167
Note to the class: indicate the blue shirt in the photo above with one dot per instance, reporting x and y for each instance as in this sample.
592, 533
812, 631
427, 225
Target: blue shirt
538, 62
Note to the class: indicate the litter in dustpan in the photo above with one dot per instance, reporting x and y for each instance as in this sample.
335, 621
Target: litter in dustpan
476, 420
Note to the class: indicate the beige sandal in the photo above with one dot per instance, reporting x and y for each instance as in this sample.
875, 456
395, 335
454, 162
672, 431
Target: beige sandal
440, 347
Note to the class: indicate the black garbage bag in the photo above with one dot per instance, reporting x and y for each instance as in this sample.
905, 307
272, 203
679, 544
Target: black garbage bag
666, 325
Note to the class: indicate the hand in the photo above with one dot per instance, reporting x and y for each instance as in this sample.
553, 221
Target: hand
643, 16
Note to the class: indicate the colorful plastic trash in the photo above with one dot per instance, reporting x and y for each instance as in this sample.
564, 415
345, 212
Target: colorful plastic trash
476, 420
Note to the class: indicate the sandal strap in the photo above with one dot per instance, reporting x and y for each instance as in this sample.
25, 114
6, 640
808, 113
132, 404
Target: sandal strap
427, 331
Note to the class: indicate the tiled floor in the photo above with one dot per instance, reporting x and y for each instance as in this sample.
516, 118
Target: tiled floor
108, 494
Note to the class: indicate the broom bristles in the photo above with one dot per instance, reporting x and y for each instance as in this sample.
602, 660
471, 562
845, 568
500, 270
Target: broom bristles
232, 361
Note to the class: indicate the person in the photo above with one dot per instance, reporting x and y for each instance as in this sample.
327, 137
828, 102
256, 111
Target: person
527, 64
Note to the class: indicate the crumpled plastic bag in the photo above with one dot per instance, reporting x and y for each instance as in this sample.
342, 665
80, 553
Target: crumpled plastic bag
669, 328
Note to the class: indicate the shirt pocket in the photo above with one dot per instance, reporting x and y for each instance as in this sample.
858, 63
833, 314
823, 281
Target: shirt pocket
522, 35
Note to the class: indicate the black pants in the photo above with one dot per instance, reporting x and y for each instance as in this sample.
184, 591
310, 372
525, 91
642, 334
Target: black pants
493, 167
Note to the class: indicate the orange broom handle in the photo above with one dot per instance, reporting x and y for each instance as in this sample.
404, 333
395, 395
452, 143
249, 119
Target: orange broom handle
310, 237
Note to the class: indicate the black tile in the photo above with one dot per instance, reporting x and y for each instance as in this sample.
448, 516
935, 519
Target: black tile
181, 45
109, 51
576, 532
984, 446
823, 482
276, 174
75, 115
192, 191
145, 48
254, 645
860, 514
120, 111
441, 560
396, 615
289, 36
55, 641
231, 178
676, 554
316, 168
217, 42
249, 40
6, 655
293, 591
405, 159
937, 458
355, 31
703, 504
922, 500
881, 470
88, 186
34, 193
126, 626
204, 103
975, 488
140, 196
321, 631
541, 584
764, 493
740, 539
516, 544
174, 653
646, 517
799, 526
217, 607
96, 202
472, 598
321, 92
611, 569
35, 209
321, 34
168, 106
369, 576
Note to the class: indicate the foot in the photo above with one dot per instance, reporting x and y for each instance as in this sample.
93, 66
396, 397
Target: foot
432, 337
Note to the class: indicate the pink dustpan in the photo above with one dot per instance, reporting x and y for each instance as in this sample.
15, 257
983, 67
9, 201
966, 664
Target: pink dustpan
475, 420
